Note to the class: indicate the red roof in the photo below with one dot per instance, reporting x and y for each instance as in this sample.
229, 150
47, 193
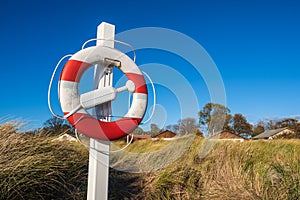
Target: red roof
229, 135
165, 134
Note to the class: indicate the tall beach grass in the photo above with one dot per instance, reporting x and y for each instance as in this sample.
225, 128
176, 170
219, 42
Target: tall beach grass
38, 167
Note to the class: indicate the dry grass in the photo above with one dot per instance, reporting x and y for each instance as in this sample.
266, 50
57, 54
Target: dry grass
147, 155
36, 167
250, 170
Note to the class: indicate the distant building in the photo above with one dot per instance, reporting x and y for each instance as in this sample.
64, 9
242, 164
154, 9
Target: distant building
165, 135
228, 135
276, 133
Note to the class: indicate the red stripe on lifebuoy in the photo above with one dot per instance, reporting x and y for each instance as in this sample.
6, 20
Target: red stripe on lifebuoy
84, 122
73, 70
101, 130
139, 82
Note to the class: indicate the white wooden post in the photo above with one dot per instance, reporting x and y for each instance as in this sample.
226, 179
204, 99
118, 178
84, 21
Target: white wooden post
98, 174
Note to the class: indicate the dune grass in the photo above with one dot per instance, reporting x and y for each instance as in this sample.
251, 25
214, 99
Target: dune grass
37, 167
250, 170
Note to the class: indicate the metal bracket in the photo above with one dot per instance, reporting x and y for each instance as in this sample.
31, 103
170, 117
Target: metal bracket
112, 62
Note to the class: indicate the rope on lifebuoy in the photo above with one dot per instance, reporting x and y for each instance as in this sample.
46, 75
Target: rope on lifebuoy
50, 86
71, 101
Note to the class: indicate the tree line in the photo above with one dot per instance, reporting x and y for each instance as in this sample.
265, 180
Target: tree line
212, 119
215, 118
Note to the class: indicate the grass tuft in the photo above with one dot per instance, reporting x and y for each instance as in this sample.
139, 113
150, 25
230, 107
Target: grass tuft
35, 167
38, 167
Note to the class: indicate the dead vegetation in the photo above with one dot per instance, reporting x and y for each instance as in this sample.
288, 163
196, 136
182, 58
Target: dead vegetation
38, 167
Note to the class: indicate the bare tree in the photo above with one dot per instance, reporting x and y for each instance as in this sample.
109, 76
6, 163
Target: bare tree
188, 125
154, 129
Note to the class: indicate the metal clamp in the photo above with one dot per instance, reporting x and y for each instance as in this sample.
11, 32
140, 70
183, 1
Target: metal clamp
112, 62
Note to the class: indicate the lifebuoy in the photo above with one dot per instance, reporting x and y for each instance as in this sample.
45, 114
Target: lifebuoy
70, 97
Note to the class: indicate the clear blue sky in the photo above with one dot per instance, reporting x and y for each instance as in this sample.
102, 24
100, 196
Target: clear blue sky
255, 45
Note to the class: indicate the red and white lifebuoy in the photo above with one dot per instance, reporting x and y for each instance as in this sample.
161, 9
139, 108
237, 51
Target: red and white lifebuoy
70, 97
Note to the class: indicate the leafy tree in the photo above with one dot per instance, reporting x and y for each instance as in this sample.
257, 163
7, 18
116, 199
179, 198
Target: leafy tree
228, 123
241, 125
212, 118
288, 122
56, 126
258, 129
